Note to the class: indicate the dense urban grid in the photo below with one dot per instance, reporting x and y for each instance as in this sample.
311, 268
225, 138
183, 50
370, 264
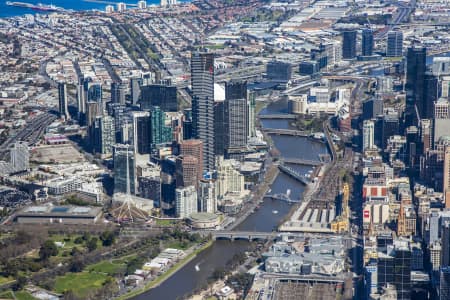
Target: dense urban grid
226, 149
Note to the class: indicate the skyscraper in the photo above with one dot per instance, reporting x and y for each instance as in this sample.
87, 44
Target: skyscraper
202, 80
62, 96
236, 115
368, 134
402, 272
446, 175
207, 197
394, 45
415, 83
431, 86
104, 135
164, 96
251, 97
349, 44
81, 100
367, 42
444, 283
187, 172
118, 93
193, 148
185, 201
122, 153
141, 132
135, 89
19, 156
159, 132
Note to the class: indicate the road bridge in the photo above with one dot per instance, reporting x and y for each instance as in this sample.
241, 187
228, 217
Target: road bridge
287, 132
304, 162
278, 116
293, 174
240, 235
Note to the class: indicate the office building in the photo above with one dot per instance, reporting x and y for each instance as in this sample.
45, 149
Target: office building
185, 201
150, 188
121, 7
123, 157
63, 102
251, 96
279, 71
367, 42
81, 100
219, 127
207, 198
193, 148
349, 44
394, 44
104, 136
368, 134
390, 127
141, 132
431, 88
118, 91
444, 283
187, 172
142, 4
236, 115
441, 66
135, 89
415, 83
19, 157
445, 243
202, 80
163, 96
402, 273
372, 108
446, 177
160, 133
308, 67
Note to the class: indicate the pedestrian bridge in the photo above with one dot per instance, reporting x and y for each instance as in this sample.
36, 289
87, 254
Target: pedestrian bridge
240, 235
278, 116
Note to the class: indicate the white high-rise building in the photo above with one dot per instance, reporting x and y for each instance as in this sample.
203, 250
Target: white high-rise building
185, 201
229, 180
121, 7
142, 4
368, 134
20, 157
109, 9
207, 196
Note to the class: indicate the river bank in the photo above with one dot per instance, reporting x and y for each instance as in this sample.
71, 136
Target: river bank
166, 275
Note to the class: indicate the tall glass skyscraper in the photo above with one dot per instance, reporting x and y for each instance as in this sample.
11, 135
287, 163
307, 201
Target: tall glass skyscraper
202, 80
159, 132
236, 115
394, 45
367, 42
415, 83
349, 44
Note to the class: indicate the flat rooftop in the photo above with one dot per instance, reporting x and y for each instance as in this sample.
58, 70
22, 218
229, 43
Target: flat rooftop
60, 211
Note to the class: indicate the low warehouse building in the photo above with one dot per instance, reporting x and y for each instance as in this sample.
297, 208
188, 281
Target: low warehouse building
58, 214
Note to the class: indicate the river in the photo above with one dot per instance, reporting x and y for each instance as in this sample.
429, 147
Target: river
266, 218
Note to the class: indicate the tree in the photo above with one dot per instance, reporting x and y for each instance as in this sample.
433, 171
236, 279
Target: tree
76, 265
91, 245
21, 281
75, 251
108, 238
48, 249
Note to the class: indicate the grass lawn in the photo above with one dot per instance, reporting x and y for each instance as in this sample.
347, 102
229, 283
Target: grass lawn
106, 267
80, 283
6, 295
4, 280
22, 295
162, 222
178, 245
124, 259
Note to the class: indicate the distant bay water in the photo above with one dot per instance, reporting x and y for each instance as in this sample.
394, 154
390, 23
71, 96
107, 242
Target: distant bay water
12, 11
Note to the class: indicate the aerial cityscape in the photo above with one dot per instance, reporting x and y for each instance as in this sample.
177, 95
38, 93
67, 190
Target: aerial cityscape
225, 149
